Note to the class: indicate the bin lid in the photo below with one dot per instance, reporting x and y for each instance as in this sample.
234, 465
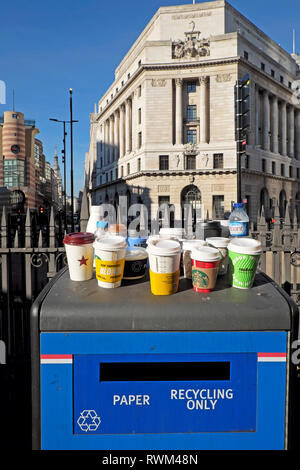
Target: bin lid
65, 305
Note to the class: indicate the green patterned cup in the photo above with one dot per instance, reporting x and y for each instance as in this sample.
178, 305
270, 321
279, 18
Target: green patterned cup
244, 254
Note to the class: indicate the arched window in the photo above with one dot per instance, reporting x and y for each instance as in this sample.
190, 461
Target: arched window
282, 203
265, 202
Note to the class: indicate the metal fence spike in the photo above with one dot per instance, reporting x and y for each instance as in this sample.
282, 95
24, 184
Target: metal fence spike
84, 210
16, 239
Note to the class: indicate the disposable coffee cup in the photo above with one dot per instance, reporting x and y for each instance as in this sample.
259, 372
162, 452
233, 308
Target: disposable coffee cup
244, 255
164, 260
186, 261
221, 243
80, 253
135, 263
176, 232
110, 259
118, 230
205, 265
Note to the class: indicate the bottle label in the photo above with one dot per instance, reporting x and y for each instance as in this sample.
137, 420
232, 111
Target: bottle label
238, 229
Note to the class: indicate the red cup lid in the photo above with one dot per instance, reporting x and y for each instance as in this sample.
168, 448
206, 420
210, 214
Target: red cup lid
79, 238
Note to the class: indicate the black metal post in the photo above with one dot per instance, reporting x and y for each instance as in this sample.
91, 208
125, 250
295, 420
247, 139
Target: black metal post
65, 176
71, 141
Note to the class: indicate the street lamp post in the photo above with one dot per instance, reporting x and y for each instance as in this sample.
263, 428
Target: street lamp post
71, 141
65, 173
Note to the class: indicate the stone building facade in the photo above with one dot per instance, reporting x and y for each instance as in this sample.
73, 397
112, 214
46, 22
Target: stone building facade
165, 129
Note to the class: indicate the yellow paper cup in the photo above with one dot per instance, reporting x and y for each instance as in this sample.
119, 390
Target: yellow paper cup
110, 259
164, 261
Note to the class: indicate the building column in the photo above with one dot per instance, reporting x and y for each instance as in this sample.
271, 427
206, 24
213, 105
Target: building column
266, 122
283, 128
121, 133
128, 126
203, 109
106, 142
116, 135
111, 139
179, 114
297, 137
291, 132
275, 125
257, 115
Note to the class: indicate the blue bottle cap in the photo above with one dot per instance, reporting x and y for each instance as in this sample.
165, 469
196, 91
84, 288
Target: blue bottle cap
102, 224
237, 205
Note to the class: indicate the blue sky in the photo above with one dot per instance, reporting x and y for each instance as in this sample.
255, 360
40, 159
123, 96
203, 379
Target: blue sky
47, 47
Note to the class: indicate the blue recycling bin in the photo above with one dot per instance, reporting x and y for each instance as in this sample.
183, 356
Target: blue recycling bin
123, 369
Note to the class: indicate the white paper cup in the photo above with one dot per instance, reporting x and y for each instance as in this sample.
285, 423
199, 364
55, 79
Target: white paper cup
187, 247
110, 259
221, 243
80, 253
164, 260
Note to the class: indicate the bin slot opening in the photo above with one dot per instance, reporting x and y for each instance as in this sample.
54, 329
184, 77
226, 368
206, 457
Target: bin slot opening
163, 371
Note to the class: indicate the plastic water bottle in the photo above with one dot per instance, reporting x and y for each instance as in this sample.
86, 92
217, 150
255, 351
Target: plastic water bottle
101, 229
238, 221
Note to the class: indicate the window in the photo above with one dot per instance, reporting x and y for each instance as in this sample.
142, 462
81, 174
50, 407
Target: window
128, 76
290, 84
192, 136
298, 173
272, 73
191, 87
291, 172
117, 89
281, 79
282, 169
139, 63
139, 91
218, 207
14, 116
163, 200
190, 162
262, 66
273, 168
139, 140
128, 168
263, 165
14, 173
218, 160
139, 116
122, 171
164, 162
111, 96
117, 173
191, 112
138, 164
246, 55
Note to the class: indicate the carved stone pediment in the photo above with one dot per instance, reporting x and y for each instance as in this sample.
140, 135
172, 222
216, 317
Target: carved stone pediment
190, 149
191, 47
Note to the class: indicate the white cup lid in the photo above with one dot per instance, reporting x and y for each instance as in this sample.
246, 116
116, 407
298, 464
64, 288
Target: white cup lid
135, 252
219, 242
110, 242
205, 253
171, 231
164, 247
247, 246
191, 244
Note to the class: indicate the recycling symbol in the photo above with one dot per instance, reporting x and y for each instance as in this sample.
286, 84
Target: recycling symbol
88, 420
